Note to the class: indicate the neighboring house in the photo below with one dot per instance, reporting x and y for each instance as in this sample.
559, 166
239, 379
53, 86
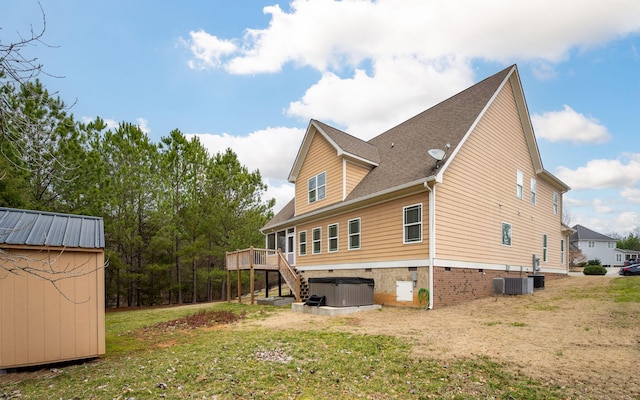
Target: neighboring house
594, 245
446, 201
51, 287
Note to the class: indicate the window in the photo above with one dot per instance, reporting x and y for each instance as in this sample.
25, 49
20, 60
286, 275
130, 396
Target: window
354, 234
413, 223
544, 248
618, 257
555, 203
317, 187
611, 245
316, 237
302, 243
519, 183
332, 238
533, 191
506, 234
591, 244
562, 251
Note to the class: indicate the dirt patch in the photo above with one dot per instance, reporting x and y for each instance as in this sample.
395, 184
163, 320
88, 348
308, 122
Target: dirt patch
568, 334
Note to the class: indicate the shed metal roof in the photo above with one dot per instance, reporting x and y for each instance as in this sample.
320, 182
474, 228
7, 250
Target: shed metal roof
39, 228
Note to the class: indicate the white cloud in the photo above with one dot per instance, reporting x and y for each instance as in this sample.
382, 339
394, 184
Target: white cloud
324, 34
367, 105
143, 125
280, 190
603, 174
571, 126
207, 49
271, 150
631, 195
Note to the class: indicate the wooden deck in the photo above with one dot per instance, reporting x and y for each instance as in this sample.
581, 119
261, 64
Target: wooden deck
263, 260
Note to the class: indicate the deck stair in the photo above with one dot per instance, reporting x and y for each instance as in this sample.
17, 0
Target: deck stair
267, 260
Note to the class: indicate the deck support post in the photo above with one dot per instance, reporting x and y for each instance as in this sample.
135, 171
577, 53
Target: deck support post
251, 275
239, 278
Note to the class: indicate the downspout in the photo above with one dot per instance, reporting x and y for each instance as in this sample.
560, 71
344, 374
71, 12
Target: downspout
432, 236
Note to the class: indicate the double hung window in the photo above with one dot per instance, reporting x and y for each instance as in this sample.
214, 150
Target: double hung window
317, 187
413, 223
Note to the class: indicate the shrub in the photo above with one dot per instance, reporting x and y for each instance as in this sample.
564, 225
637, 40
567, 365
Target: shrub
594, 270
595, 261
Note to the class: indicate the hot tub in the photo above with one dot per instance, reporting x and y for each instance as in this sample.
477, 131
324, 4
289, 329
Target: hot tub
343, 291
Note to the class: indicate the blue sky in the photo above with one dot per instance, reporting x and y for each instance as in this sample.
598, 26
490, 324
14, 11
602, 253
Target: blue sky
249, 74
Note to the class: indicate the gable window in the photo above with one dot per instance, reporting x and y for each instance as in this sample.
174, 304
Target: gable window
555, 203
413, 223
533, 191
506, 234
544, 248
519, 183
317, 187
302, 243
316, 236
332, 238
354, 234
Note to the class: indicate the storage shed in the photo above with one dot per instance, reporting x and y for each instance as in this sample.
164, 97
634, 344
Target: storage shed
51, 287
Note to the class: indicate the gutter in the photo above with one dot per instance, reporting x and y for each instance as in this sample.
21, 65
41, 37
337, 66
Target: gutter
432, 235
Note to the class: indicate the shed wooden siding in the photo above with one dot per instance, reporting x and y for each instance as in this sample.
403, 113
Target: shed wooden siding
322, 157
381, 235
353, 175
38, 325
479, 193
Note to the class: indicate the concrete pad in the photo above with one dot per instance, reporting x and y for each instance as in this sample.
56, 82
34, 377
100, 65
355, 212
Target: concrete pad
330, 311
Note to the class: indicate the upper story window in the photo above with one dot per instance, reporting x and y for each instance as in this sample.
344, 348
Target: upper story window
302, 243
354, 234
519, 183
332, 238
555, 203
533, 191
611, 245
413, 223
317, 187
316, 236
591, 244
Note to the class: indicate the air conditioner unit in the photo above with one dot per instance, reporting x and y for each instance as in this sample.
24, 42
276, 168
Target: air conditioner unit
518, 285
498, 285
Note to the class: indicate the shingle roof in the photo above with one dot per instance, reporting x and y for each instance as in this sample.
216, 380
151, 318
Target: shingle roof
38, 228
351, 144
583, 233
402, 151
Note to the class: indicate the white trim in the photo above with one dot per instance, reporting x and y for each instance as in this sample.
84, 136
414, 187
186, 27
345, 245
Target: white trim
337, 238
313, 241
349, 234
344, 179
423, 262
404, 224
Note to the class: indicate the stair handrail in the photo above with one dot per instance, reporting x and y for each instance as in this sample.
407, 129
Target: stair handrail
289, 274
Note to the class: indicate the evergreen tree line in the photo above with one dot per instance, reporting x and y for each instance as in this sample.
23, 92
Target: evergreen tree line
171, 210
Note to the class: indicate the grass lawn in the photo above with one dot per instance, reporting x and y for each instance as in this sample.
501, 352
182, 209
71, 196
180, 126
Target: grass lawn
153, 354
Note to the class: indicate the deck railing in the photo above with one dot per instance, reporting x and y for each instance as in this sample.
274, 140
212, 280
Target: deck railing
262, 259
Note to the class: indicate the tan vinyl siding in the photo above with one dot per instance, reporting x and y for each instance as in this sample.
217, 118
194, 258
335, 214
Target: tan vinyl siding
322, 157
381, 235
479, 193
354, 174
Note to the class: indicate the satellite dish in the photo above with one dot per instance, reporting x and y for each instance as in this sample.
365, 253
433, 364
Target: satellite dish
438, 154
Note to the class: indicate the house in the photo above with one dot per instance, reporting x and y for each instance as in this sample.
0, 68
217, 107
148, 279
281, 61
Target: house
51, 287
439, 205
594, 245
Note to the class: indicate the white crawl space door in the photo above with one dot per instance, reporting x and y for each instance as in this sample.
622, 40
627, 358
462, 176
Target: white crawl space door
404, 291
